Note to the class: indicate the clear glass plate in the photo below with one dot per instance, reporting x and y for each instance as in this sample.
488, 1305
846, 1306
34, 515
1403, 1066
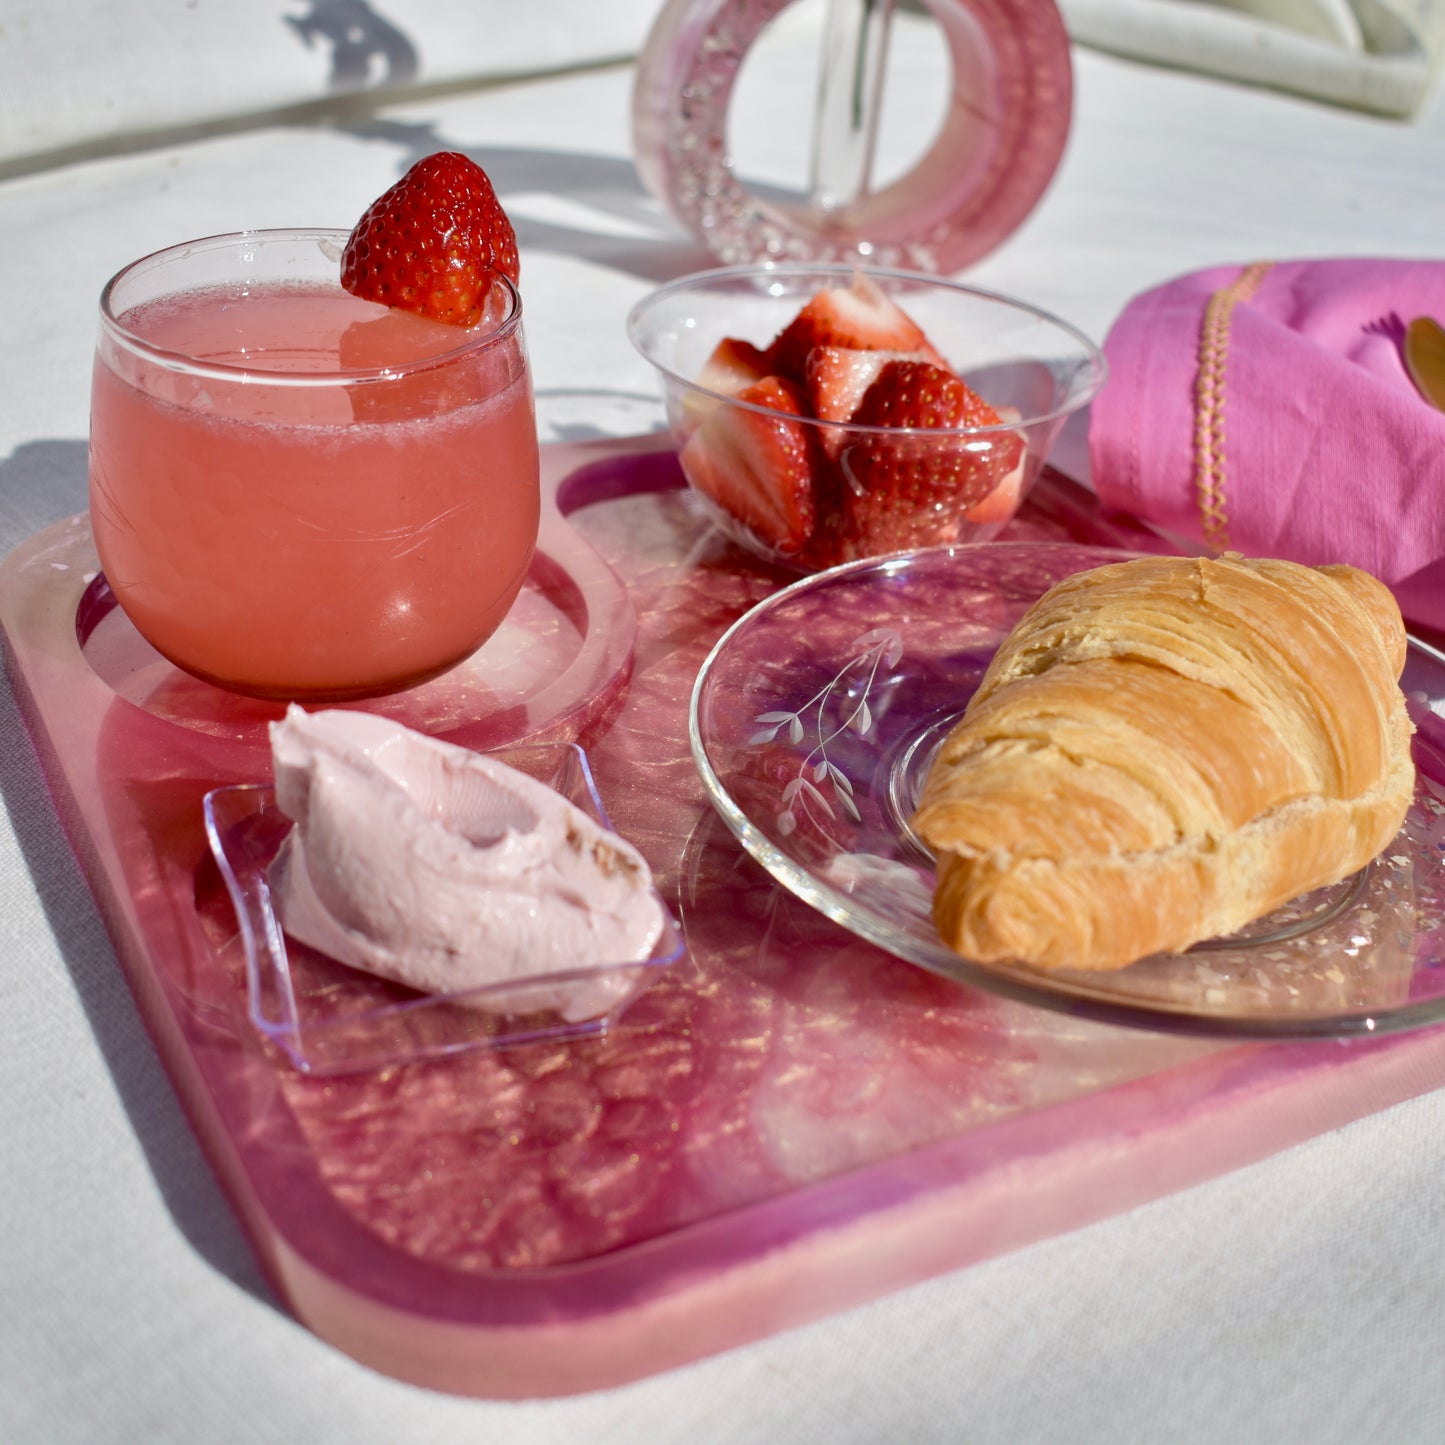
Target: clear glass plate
813, 723
328, 1018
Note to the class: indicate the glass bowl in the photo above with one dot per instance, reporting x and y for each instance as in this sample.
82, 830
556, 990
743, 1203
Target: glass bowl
299, 494
1032, 368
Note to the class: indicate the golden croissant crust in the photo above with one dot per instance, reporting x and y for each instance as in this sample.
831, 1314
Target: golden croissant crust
1163, 750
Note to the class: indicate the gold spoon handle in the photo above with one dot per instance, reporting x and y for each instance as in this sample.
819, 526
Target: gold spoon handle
1425, 359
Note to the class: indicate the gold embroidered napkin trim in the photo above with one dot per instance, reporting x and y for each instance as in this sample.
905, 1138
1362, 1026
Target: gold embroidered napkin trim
1209, 469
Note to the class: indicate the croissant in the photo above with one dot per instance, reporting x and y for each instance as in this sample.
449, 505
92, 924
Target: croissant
1163, 750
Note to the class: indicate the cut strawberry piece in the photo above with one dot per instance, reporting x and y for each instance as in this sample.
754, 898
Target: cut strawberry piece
1001, 503
759, 467
432, 242
733, 365
920, 394
900, 492
859, 317
838, 378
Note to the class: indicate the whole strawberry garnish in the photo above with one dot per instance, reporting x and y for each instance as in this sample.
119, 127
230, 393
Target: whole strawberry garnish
432, 242
912, 490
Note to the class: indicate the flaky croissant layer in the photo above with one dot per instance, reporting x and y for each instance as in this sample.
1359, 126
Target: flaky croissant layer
1163, 750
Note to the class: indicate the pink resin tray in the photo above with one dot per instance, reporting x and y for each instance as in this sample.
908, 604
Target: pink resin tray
788, 1122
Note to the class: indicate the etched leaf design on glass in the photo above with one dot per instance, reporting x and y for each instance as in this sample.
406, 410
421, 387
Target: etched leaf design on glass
840, 706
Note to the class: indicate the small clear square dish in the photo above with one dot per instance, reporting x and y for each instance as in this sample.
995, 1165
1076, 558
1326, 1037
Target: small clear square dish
328, 1018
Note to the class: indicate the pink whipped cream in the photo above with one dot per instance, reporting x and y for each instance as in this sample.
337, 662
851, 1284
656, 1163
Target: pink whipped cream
447, 871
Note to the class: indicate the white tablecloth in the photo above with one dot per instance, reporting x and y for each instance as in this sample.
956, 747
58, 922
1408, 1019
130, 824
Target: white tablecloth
1299, 1299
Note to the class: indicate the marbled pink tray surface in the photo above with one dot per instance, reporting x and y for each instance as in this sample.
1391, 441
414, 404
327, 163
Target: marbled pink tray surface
789, 1122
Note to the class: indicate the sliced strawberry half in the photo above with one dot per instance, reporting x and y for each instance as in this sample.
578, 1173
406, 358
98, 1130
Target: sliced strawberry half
733, 365
432, 242
759, 466
1001, 503
860, 317
912, 490
910, 393
838, 378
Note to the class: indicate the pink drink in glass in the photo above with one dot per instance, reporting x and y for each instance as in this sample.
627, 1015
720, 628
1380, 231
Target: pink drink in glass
296, 493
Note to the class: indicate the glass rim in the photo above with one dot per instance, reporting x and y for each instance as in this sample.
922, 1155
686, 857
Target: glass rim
769, 278
474, 339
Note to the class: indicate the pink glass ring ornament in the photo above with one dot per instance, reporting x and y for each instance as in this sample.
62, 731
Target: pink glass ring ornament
995, 153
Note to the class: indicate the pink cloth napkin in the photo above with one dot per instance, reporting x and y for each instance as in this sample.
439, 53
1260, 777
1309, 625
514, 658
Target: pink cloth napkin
1267, 409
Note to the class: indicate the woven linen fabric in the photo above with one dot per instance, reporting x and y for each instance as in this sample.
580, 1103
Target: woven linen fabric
1267, 408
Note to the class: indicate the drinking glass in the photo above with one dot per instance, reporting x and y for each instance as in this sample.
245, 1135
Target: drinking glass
299, 494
